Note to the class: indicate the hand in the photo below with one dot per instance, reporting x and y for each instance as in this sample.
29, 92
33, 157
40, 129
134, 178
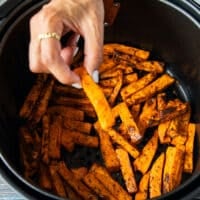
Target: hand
83, 17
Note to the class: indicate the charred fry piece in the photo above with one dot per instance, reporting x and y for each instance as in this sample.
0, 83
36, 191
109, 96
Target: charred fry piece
92, 182
127, 171
118, 139
116, 90
42, 103
143, 162
162, 132
45, 139
142, 194
155, 179
150, 66
32, 96
57, 181
80, 138
138, 53
66, 112
55, 132
81, 189
108, 153
189, 148
129, 123
44, 177
97, 99
110, 184
137, 85
147, 92
173, 167
66, 90
73, 125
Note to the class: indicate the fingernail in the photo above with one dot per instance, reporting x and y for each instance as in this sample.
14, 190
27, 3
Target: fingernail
75, 51
77, 85
95, 76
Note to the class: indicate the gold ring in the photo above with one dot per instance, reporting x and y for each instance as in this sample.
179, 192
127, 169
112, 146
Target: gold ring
49, 35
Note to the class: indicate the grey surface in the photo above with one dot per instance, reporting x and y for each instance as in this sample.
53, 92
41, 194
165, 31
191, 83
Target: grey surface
7, 192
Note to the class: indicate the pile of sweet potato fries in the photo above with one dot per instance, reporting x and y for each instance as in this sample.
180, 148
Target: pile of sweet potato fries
141, 132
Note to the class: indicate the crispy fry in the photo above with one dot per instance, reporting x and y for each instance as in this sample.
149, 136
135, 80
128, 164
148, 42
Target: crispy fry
112, 186
57, 181
143, 187
69, 91
80, 172
71, 194
98, 100
150, 66
111, 73
107, 91
118, 139
44, 177
137, 85
73, 125
45, 139
155, 179
147, 92
111, 82
135, 111
127, 171
179, 139
99, 188
55, 132
162, 132
80, 138
67, 142
66, 112
189, 148
129, 78
173, 167
32, 97
129, 123
108, 153
76, 184
42, 103
106, 65
116, 90
143, 162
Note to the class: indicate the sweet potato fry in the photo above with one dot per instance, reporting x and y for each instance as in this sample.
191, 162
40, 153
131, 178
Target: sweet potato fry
97, 99
129, 78
42, 103
112, 186
67, 142
127, 171
111, 73
93, 183
71, 194
143, 162
147, 92
162, 132
73, 125
137, 85
55, 132
66, 112
116, 90
111, 82
106, 65
129, 123
108, 153
155, 179
45, 139
69, 91
150, 66
33, 96
118, 139
57, 181
142, 194
80, 188
44, 177
107, 91
79, 172
189, 148
174, 161
80, 138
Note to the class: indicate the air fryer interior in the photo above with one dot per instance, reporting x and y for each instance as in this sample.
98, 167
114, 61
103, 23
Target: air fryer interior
170, 34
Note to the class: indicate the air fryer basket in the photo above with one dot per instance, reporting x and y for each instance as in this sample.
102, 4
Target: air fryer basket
162, 27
